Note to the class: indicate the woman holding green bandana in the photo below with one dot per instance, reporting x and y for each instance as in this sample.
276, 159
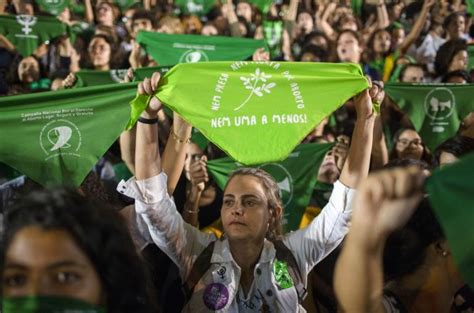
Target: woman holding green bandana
252, 267
64, 253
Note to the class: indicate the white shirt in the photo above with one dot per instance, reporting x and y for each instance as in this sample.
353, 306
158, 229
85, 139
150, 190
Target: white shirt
218, 289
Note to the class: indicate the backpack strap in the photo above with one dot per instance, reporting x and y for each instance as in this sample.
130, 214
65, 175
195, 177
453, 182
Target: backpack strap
283, 253
200, 267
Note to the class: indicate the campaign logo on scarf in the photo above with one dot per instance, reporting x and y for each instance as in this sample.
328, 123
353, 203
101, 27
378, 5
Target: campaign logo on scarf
88, 78
295, 176
436, 110
55, 138
27, 32
196, 7
53, 7
256, 112
173, 49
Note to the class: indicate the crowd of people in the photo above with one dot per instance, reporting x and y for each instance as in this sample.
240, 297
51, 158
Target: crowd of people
149, 229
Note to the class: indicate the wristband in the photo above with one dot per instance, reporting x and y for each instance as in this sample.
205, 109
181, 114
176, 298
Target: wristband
149, 121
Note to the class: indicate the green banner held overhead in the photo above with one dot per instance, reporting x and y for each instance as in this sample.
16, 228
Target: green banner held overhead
435, 110
451, 194
53, 7
196, 7
262, 5
56, 137
296, 177
173, 49
88, 78
256, 112
27, 32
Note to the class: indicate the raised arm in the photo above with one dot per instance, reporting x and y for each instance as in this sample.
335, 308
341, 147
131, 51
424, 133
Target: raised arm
89, 11
384, 202
417, 27
382, 15
290, 18
232, 19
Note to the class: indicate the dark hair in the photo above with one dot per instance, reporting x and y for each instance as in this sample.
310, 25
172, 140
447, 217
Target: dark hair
99, 232
272, 191
114, 51
459, 73
406, 66
405, 249
411, 10
457, 146
316, 51
426, 156
451, 18
446, 54
315, 33
406, 163
143, 15
370, 44
353, 33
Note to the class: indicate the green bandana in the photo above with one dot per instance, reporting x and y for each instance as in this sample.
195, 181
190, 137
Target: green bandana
470, 7
28, 32
47, 304
88, 78
196, 7
256, 112
125, 4
357, 7
435, 110
262, 5
296, 177
53, 7
42, 84
451, 194
56, 137
273, 32
282, 276
321, 193
173, 49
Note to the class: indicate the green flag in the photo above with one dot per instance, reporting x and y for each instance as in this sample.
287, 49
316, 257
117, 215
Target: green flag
470, 51
273, 32
28, 32
435, 110
357, 7
87, 78
173, 49
125, 4
451, 194
53, 7
262, 5
196, 7
296, 177
256, 111
56, 137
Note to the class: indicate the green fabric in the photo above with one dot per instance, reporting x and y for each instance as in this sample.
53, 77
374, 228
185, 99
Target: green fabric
27, 32
281, 274
43, 83
470, 51
451, 194
53, 7
357, 7
470, 6
435, 110
47, 304
296, 177
321, 193
273, 34
196, 7
262, 5
173, 49
125, 4
199, 139
121, 172
256, 111
88, 78
55, 138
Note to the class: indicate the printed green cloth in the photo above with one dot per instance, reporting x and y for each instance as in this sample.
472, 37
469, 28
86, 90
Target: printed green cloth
256, 112
470, 52
47, 304
56, 137
296, 177
196, 7
451, 194
435, 110
273, 33
28, 32
173, 49
262, 5
87, 78
53, 7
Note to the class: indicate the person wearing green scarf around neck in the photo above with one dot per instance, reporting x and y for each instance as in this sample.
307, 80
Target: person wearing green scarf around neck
65, 253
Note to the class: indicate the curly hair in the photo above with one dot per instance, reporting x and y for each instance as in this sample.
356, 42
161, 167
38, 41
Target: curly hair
272, 191
99, 232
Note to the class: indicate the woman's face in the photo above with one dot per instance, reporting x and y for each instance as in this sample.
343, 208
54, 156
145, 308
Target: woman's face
348, 49
409, 145
305, 22
245, 10
398, 36
413, 74
28, 70
244, 212
459, 61
49, 263
457, 27
382, 42
99, 52
105, 14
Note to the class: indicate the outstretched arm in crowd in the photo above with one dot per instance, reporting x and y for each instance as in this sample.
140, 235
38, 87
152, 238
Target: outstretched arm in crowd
382, 15
290, 18
199, 177
417, 27
229, 13
89, 11
384, 202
